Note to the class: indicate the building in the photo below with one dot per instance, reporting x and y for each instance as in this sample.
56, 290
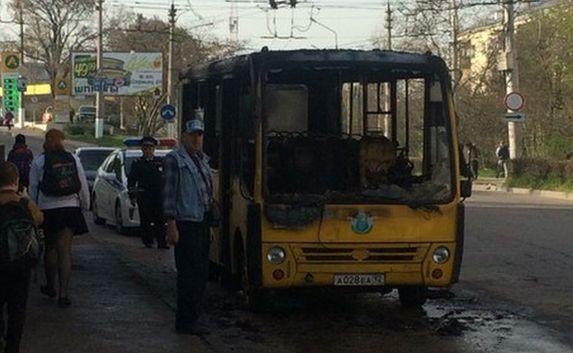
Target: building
480, 47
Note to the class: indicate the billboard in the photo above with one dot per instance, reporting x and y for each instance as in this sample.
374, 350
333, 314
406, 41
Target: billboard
122, 74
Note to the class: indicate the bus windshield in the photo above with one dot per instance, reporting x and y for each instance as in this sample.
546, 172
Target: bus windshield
337, 135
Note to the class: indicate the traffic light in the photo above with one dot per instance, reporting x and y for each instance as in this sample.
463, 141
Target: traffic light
11, 94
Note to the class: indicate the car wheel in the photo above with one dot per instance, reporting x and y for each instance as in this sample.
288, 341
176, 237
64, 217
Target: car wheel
119, 220
97, 219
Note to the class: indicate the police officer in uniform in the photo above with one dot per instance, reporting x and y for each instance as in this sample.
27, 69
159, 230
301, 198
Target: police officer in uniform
144, 184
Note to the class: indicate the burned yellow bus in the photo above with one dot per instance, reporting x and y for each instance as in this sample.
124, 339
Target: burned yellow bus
333, 168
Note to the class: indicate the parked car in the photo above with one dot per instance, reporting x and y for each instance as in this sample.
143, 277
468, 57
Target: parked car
85, 114
110, 198
92, 158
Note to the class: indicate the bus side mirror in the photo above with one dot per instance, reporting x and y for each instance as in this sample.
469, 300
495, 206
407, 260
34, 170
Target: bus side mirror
466, 188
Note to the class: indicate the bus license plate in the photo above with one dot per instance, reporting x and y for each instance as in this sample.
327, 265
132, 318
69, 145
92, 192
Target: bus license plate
359, 280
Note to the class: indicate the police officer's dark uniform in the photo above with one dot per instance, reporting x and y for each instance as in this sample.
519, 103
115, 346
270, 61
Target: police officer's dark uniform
144, 181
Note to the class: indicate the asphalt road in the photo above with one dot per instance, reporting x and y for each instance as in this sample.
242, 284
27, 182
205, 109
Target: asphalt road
515, 295
34, 140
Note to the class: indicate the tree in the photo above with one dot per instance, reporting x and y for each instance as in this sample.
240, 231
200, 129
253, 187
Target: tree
545, 49
53, 29
135, 32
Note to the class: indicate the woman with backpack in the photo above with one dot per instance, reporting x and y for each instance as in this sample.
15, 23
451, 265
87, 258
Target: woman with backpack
58, 183
18, 216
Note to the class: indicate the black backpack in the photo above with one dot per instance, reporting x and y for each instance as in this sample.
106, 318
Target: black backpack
60, 175
21, 242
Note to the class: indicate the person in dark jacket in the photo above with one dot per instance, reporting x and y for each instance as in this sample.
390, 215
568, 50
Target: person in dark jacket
22, 157
144, 182
14, 280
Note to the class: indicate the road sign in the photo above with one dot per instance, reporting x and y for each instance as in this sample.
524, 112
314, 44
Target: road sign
168, 112
514, 101
515, 117
10, 62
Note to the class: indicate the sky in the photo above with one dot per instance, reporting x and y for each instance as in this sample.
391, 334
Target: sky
355, 22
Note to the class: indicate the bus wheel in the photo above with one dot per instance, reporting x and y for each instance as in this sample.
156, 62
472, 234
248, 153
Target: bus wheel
252, 298
413, 296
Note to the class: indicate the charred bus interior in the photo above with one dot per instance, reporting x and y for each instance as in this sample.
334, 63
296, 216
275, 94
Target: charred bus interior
346, 135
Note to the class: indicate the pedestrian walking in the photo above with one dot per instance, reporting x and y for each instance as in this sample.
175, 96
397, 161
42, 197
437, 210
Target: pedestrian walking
187, 199
22, 157
472, 155
47, 116
502, 154
18, 219
144, 183
9, 120
58, 184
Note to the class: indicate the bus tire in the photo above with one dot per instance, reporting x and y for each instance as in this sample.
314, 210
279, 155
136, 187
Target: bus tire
253, 299
413, 296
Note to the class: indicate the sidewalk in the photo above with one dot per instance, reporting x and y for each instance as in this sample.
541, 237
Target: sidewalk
497, 185
112, 312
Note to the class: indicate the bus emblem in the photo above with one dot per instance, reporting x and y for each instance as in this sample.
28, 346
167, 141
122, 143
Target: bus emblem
361, 223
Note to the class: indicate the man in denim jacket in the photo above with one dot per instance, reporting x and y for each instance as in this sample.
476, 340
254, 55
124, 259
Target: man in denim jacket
187, 194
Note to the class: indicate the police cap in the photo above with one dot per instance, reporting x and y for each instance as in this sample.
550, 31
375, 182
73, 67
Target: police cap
148, 141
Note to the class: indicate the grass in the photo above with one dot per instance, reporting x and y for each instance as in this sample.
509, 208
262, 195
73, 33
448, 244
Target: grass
552, 184
487, 172
105, 141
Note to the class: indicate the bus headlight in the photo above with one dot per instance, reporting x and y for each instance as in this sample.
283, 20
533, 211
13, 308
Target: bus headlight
441, 255
276, 255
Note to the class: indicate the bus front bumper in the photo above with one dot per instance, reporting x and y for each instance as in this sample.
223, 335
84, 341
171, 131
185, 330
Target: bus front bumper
389, 265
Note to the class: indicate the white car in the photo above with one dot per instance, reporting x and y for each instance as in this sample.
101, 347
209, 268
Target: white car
110, 198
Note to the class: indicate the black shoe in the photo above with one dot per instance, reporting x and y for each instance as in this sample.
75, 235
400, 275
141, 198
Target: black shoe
163, 246
148, 244
64, 302
47, 291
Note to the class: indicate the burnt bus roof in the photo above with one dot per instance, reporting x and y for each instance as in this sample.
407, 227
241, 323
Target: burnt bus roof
296, 58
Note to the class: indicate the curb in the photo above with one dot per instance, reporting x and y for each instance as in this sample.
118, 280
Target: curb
524, 191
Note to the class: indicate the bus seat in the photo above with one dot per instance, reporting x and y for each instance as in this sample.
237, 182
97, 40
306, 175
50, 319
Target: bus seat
377, 155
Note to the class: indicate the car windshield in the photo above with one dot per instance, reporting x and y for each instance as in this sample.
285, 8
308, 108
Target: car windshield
92, 159
87, 110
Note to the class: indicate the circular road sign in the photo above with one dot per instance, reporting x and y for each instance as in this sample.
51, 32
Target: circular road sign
12, 61
514, 101
168, 112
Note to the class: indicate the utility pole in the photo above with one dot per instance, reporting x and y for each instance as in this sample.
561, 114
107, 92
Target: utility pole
389, 25
21, 19
21, 110
387, 95
172, 20
100, 107
455, 25
234, 22
511, 77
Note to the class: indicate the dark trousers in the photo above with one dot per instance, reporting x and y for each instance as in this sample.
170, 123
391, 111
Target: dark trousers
475, 168
151, 220
192, 261
14, 286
